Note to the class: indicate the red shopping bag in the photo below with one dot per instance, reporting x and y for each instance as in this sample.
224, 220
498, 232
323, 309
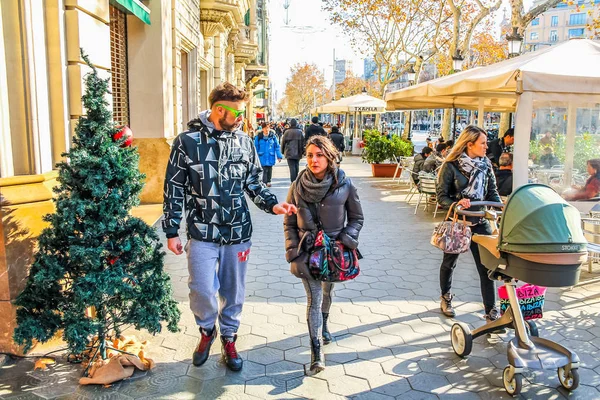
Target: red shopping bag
531, 300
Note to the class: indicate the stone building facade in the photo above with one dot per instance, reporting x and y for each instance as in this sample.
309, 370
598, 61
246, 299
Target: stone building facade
163, 57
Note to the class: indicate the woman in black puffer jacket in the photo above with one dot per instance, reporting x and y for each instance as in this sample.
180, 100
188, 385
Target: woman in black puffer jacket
326, 187
465, 176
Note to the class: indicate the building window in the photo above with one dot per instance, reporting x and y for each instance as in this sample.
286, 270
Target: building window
534, 36
554, 20
535, 22
118, 66
553, 36
577, 19
576, 33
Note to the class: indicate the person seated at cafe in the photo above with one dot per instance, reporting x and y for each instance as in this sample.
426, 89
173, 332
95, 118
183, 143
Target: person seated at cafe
429, 143
419, 161
547, 139
450, 144
591, 189
501, 145
435, 160
504, 175
549, 159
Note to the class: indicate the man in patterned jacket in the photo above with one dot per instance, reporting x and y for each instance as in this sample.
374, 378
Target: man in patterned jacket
210, 167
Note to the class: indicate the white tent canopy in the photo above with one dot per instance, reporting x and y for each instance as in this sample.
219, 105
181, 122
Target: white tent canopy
572, 67
566, 73
357, 103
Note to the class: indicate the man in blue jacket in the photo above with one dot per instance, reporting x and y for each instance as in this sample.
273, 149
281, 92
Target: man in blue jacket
267, 147
210, 167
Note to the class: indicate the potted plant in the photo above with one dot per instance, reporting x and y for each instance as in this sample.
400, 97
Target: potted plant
379, 150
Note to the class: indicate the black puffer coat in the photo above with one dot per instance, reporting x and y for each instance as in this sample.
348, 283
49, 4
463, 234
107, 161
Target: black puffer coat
341, 216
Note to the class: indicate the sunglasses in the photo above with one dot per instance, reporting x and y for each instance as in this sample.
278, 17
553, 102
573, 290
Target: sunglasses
236, 113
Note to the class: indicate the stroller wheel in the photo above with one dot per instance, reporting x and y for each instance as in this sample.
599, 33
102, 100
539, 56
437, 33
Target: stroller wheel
462, 341
569, 381
532, 328
513, 387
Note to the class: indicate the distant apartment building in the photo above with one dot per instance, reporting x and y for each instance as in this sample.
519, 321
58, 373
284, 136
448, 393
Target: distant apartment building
558, 24
370, 69
342, 68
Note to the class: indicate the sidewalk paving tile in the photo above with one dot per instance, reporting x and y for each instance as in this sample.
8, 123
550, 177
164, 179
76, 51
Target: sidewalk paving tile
390, 339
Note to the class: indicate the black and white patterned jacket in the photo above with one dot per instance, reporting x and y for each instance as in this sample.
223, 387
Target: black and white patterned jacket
210, 170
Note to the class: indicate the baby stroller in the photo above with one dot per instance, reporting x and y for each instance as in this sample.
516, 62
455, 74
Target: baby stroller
540, 242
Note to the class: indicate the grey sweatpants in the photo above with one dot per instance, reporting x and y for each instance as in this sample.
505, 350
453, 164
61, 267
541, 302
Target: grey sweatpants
217, 269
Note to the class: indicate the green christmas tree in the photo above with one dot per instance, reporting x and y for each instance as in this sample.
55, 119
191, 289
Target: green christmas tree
94, 253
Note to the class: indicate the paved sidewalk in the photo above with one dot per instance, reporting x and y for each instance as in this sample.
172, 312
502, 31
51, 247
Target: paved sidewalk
390, 339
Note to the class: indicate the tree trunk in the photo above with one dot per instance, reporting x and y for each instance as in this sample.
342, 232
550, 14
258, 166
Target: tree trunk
447, 124
407, 122
504, 119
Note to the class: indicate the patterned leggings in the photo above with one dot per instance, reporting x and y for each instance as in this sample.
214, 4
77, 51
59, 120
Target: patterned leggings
318, 301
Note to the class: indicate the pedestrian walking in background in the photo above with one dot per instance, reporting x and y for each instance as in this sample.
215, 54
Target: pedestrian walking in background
338, 140
314, 129
292, 146
210, 167
267, 147
467, 175
325, 187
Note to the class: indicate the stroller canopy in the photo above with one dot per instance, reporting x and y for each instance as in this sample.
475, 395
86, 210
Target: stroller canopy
537, 220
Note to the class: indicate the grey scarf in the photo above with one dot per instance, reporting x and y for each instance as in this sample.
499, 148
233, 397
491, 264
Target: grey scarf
310, 189
476, 170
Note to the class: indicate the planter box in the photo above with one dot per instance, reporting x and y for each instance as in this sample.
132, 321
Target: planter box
384, 170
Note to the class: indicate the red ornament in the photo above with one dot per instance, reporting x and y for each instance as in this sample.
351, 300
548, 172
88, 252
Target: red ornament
124, 131
112, 260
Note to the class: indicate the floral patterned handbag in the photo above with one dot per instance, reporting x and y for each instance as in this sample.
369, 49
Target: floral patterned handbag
329, 260
454, 236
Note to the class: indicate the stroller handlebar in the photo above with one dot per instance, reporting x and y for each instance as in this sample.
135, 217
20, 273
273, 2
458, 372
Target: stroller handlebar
489, 214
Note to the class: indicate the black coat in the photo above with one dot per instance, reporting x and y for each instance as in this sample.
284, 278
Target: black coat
338, 141
292, 144
451, 182
418, 167
504, 179
312, 130
495, 150
341, 216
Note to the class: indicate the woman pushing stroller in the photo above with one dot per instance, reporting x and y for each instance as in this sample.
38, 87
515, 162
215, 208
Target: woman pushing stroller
467, 175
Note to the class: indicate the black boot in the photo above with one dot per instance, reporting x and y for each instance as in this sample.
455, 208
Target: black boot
326, 335
317, 358
233, 361
203, 350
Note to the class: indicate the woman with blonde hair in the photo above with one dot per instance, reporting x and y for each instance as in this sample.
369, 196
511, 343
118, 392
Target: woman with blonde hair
325, 188
465, 176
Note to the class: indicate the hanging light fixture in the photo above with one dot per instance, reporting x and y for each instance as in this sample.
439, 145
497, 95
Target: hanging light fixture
457, 61
515, 41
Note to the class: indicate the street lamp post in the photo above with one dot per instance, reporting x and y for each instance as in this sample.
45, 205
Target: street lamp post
515, 42
411, 75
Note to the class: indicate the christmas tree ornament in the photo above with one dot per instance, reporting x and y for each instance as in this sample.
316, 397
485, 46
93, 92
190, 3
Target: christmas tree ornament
126, 132
75, 268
